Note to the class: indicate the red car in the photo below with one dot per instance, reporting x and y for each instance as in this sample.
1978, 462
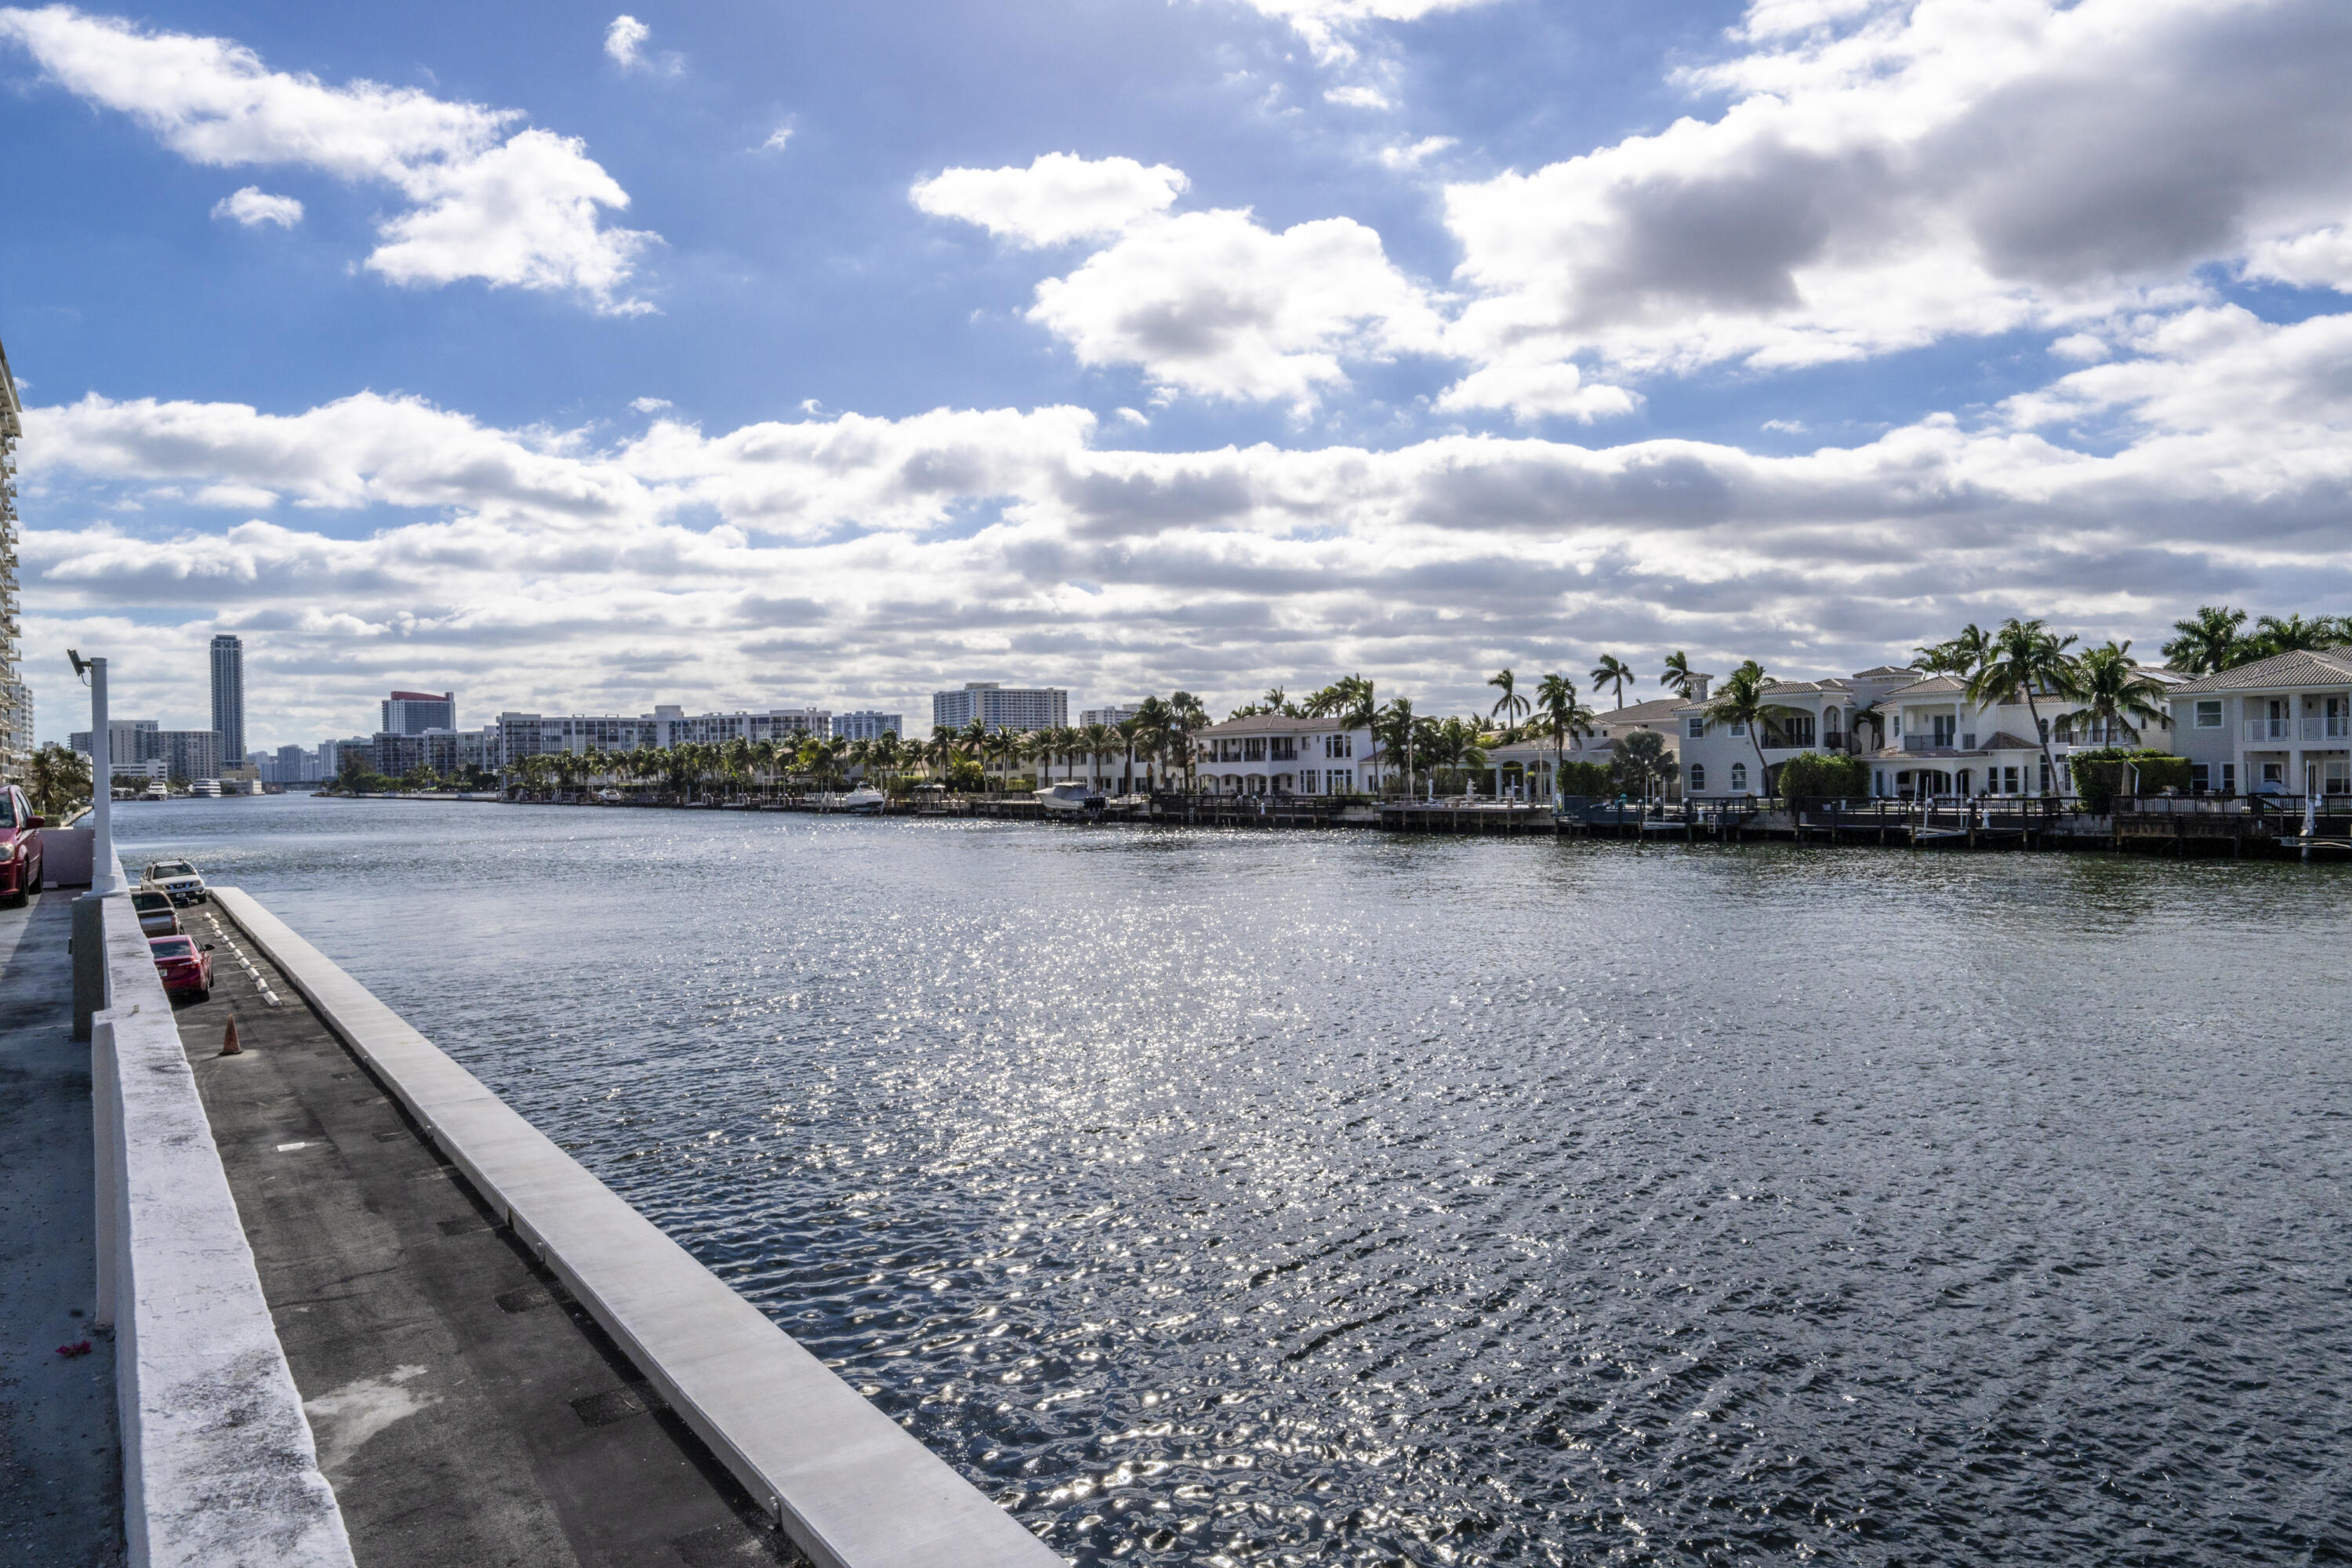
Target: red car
185, 964
20, 846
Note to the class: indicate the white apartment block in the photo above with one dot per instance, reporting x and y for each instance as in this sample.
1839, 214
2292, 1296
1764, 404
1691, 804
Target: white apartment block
866, 724
524, 735
414, 712
1001, 707
2281, 725
1109, 717
1268, 753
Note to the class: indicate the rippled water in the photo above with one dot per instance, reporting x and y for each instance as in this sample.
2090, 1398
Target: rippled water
1279, 1198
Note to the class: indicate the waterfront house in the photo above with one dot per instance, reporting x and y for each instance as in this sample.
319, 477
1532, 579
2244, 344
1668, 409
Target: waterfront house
2277, 726
1271, 754
1840, 716
1523, 769
1939, 742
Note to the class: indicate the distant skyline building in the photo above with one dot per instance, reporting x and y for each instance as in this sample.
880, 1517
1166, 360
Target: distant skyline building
190, 755
1001, 707
866, 724
228, 701
524, 735
1114, 715
414, 712
135, 740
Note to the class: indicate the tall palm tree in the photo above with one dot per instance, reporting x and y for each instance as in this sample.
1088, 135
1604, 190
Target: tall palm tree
1745, 700
2027, 656
2115, 696
1613, 671
1154, 725
2208, 641
1563, 717
2273, 636
1186, 714
1679, 678
1509, 706
1393, 726
1962, 655
1099, 741
1131, 731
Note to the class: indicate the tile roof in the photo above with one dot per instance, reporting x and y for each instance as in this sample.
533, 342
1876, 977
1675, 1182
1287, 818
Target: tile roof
1657, 711
1883, 672
2299, 667
1274, 724
1933, 686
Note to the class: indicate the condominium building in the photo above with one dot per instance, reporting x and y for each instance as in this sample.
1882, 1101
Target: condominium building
865, 724
15, 697
190, 755
414, 712
1109, 716
1001, 707
134, 741
524, 735
228, 697
443, 752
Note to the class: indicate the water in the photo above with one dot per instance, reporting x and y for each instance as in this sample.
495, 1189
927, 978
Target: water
1278, 1198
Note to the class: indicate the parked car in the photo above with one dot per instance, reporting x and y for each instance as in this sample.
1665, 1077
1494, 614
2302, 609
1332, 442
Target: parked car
156, 916
20, 846
185, 965
178, 878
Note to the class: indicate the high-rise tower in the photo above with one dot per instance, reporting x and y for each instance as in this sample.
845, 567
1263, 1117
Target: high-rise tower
228, 698
15, 697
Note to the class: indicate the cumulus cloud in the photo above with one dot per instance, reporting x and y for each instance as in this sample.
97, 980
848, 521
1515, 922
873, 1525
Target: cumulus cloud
1534, 390
1214, 303
254, 206
1414, 154
1357, 97
626, 41
515, 209
1326, 24
1059, 197
1890, 173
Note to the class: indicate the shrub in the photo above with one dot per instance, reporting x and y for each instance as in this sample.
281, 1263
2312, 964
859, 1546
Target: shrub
1593, 780
2100, 776
1813, 776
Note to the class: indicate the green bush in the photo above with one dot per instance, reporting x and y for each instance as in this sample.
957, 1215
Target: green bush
1813, 776
1593, 780
2101, 776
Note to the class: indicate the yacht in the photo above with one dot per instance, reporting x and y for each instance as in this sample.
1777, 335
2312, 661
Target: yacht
1070, 798
861, 802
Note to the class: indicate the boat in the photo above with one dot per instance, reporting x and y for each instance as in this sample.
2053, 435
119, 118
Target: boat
860, 802
609, 796
1128, 805
1070, 798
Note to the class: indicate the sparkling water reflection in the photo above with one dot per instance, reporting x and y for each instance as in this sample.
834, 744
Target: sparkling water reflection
1277, 1198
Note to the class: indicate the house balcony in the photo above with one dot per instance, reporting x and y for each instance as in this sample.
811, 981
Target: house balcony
1939, 741
2261, 732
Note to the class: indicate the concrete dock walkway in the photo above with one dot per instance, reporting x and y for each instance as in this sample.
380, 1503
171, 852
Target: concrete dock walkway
465, 1411
61, 1461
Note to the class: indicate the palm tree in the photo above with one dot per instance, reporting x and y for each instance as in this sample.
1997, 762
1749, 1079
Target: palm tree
58, 780
2208, 641
2116, 696
1186, 714
1154, 724
1613, 671
1744, 700
1962, 656
1392, 726
1564, 718
2027, 656
1131, 731
1509, 706
1641, 756
1100, 741
1679, 678
2273, 636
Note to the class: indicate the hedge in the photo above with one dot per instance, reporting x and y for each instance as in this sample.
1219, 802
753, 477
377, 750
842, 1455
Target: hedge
1813, 776
2100, 776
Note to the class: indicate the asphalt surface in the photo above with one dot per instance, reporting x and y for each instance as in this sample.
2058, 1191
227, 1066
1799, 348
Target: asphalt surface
467, 1412
60, 1463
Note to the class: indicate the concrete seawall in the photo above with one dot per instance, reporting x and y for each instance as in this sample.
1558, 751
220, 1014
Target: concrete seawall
848, 1486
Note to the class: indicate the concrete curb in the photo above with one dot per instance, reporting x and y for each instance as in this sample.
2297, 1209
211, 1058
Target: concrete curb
849, 1485
218, 1465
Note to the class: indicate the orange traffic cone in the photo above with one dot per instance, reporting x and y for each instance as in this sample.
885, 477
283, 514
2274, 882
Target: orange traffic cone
229, 1047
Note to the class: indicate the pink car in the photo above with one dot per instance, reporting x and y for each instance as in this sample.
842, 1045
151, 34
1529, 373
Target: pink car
20, 846
185, 965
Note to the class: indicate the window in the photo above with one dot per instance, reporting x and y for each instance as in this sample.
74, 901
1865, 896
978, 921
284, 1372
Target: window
1831, 720
2009, 780
1740, 730
2209, 714
1286, 749
1697, 729
1339, 745
1340, 781
2201, 778
1253, 748
1738, 778
1943, 726
2045, 776
1698, 774
2229, 778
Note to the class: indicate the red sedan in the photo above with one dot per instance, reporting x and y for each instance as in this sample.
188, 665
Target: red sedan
185, 964
20, 846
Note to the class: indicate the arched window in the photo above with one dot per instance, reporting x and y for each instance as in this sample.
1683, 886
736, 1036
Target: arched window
1832, 720
1698, 778
1738, 778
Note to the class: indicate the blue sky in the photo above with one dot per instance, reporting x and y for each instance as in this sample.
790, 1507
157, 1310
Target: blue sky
742, 355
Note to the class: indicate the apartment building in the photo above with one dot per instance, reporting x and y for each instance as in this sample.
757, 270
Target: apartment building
1109, 717
1001, 707
2282, 725
866, 724
414, 712
524, 735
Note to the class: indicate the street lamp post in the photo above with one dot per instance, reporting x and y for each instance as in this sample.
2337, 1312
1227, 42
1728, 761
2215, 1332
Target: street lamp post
105, 876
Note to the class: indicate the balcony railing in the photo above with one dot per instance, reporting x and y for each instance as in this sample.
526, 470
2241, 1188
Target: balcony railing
1939, 741
2336, 727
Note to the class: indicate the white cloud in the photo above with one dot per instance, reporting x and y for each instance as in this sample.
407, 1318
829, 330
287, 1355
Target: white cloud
649, 404
1326, 24
778, 139
1357, 98
1215, 304
1892, 173
1059, 197
1413, 155
511, 208
1531, 391
872, 557
625, 40
254, 206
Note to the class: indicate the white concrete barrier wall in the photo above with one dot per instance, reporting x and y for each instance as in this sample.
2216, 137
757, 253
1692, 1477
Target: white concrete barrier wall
66, 855
850, 1486
218, 1465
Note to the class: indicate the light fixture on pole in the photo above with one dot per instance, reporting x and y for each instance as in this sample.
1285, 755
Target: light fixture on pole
105, 875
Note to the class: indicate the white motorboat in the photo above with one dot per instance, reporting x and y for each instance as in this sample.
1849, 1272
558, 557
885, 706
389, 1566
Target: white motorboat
1070, 798
861, 802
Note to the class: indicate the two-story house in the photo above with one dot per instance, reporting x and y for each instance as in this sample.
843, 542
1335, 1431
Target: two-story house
1842, 715
2282, 725
1939, 742
1269, 753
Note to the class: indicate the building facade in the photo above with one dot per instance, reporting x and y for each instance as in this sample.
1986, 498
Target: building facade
1109, 716
2281, 725
1271, 754
1840, 716
524, 735
414, 712
228, 699
15, 696
865, 724
189, 755
1001, 707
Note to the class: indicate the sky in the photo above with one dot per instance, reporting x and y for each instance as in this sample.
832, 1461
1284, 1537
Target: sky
758, 354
